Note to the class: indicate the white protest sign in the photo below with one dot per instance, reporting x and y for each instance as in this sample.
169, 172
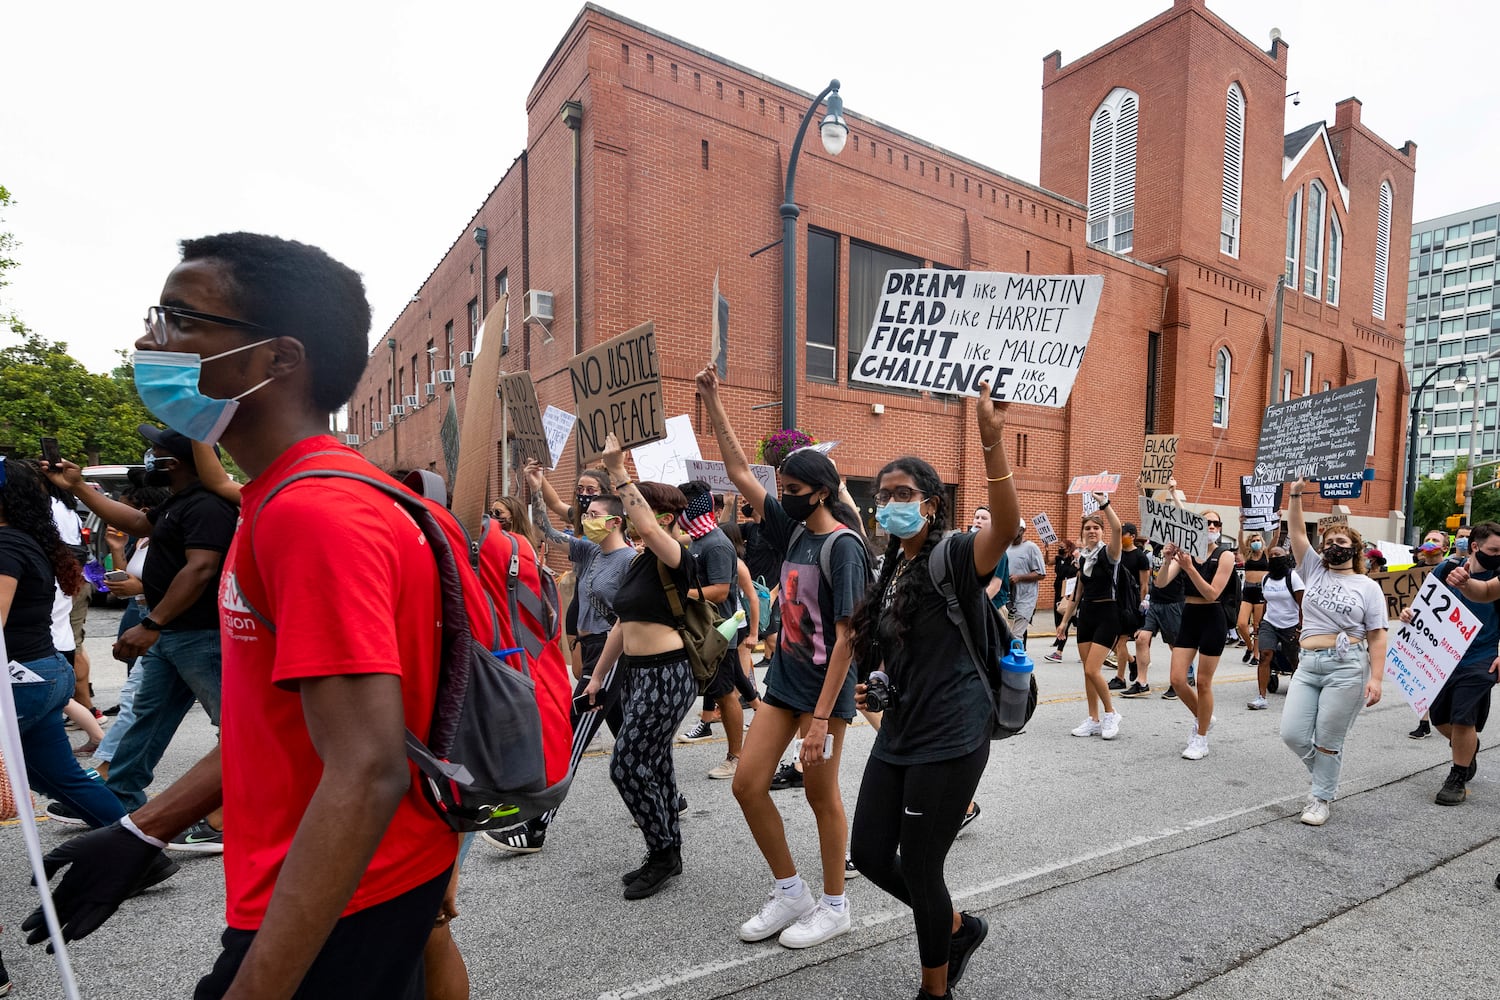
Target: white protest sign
947, 331
1421, 655
559, 427
1043, 525
664, 461
717, 476
1102, 483
1090, 505
1170, 524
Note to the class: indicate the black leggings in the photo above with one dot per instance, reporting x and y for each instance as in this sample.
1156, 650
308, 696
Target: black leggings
916, 809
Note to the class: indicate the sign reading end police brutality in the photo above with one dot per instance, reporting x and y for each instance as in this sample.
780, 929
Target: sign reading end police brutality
617, 387
947, 331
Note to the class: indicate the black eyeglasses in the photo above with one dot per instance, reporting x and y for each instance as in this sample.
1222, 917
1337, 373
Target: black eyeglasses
1216, 524
901, 494
157, 318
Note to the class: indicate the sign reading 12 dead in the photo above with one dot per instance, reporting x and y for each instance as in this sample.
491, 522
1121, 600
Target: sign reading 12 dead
947, 331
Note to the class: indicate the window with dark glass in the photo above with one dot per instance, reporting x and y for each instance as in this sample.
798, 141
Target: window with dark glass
822, 305
867, 270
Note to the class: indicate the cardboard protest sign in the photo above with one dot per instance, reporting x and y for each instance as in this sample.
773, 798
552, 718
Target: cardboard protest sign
1400, 588
1102, 483
665, 461
1421, 654
1044, 529
1260, 506
1170, 524
947, 331
717, 477
617, 387
476, 439
1332, 521
1325, 434
1159, 461
559, 425
523, 424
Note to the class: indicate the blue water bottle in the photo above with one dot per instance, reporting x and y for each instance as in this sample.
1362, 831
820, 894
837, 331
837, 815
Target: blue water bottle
1015, 686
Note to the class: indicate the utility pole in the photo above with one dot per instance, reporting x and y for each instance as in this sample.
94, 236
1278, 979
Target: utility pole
1276, 341
1473, 452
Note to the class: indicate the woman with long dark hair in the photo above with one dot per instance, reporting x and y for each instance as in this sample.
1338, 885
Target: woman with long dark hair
934, 738
811, 680
33, 561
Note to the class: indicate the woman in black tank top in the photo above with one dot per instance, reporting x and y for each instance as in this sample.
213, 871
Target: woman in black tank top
1097, 615
1253, 599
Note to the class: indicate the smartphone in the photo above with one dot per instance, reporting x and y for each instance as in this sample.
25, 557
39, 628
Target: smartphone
828, 745
51, 454
116, 576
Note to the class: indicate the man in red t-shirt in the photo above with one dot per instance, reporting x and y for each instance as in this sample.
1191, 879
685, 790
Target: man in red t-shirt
334, 866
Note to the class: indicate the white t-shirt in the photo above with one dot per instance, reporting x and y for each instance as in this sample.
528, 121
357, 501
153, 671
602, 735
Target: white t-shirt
1281, 606
1339, 602
71, 530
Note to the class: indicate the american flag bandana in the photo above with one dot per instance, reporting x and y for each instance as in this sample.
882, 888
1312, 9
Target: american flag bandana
698, 519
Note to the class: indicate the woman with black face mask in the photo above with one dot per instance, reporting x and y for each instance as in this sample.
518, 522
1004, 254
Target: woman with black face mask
1342, 657
1280, 623
824, 574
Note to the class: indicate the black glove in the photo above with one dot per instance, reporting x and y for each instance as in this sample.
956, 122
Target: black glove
108, 866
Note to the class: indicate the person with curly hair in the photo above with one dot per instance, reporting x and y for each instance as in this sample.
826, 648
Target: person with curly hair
33, 561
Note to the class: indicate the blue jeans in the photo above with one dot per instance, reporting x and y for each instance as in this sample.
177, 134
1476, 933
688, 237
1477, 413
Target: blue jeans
134, 612
1322, 702
179, 668
50, 765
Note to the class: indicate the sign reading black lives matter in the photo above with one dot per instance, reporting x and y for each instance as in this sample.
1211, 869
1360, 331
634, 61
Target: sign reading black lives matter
617, 387
1325, 434
1170, 524
947, 331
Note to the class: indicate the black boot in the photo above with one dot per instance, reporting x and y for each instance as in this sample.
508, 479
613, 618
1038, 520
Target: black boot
661, 867
635, 873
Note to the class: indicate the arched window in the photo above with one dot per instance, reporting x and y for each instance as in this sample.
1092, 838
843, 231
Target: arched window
1335, 258
1234, 157
1223, 370
1293, 234
1312, 257
1382, 248
1111, 195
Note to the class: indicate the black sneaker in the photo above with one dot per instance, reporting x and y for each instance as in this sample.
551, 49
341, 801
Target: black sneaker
1454, 790
1115, 684
1473, 767
200, 838
635, 873
4, 979
112, 710
1423, 730
1170, 694
969, 818
786, 776
661, 867
681, 803
525, 838
971, 934
1136, 690
1133, 673
59, 813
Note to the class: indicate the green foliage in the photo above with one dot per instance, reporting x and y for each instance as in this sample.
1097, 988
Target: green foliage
8, 244
1436, 499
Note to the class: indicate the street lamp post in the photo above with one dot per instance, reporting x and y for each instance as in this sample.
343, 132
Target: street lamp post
834, 132
395, 395
1459, 384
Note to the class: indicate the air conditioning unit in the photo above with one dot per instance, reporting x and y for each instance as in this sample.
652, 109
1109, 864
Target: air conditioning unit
445, 376
398, 411
538, 307
351, 439
413, 402
466, 359
377, 426
429, 390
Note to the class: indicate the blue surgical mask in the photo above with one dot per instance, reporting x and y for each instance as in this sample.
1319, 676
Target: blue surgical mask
1461, 545
903, 520
168, 384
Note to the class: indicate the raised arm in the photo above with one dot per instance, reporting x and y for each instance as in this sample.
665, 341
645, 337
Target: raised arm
735, 462
1005, 509
540, 487
668, 549
112, 512
211, 473
1296, 527
544, 523
1116, 533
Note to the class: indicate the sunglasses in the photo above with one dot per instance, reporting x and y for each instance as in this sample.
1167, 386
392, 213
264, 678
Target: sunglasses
1216, 524
159, 317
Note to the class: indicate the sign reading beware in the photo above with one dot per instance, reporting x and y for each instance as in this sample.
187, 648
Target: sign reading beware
1102, 483
617, 387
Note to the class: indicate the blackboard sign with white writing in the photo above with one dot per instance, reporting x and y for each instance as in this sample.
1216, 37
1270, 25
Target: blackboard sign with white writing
1325, 434
947, 331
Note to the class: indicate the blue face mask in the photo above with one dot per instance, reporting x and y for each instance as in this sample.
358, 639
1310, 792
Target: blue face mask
904, 520
168, 384
1461, 545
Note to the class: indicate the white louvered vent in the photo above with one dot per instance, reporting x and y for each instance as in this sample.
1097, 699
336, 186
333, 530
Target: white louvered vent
1234, 160
1382, 249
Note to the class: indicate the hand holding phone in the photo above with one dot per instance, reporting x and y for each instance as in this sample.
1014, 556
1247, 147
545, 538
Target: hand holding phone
116, 576
51, 454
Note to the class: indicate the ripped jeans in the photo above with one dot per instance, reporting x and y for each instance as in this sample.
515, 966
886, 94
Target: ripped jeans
1322, 702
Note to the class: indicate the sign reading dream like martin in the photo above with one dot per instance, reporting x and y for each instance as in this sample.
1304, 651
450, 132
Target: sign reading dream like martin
947, 331
1320, 436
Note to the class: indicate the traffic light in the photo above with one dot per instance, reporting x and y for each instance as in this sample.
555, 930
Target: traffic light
1454, 520
1463, 482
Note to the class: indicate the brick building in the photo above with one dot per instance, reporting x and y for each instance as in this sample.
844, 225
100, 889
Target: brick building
651, 164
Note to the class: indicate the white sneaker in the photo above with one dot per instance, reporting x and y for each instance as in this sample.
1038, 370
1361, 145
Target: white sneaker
1316, 813
1089, 727
1109, 725
1197, 748
725, 769
779, 913
821, 924
1257, 704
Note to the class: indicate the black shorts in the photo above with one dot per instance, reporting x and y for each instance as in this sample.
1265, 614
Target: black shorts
376, 952
1203, 629
774, 626
1163, 618
1253, 594
722, 681
1464, 700
1099, 623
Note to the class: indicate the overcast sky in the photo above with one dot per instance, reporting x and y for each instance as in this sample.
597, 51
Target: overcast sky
376, 129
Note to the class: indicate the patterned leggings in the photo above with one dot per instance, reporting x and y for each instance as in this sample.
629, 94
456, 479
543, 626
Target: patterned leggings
660, 692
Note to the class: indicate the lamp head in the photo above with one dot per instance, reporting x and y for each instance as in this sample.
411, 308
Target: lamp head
835, 131
1461, 384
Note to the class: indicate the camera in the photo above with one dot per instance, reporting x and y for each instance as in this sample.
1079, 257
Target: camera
879, 695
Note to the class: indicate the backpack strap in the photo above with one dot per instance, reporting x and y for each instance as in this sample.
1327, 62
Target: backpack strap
825, 554
942, 578
674, 599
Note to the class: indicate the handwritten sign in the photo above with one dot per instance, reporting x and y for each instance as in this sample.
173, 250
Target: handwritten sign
1332, 522
528, 435
1322, 435
558, 424
1044, 529
1102, 483
1159, 461
1170, 524
1090, 505
1421, 654
717, 476
665, 461
1401, 588
1260, 506
617, 387
947, 331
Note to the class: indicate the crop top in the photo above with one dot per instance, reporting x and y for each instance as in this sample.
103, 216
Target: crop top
641, 597
1260, 564
1207, 568
1100, 584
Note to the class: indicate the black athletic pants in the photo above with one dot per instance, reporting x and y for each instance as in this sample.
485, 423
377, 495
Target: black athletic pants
659, 693
916, 809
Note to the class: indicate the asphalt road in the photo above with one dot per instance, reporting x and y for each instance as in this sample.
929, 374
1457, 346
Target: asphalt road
1105, 870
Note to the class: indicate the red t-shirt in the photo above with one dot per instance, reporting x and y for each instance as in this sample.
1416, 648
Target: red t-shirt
350, 584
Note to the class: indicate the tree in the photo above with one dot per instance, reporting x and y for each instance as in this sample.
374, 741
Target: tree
8, 244
1437, 500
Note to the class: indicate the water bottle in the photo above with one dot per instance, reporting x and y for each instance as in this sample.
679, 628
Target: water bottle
1015, 686
731, 626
